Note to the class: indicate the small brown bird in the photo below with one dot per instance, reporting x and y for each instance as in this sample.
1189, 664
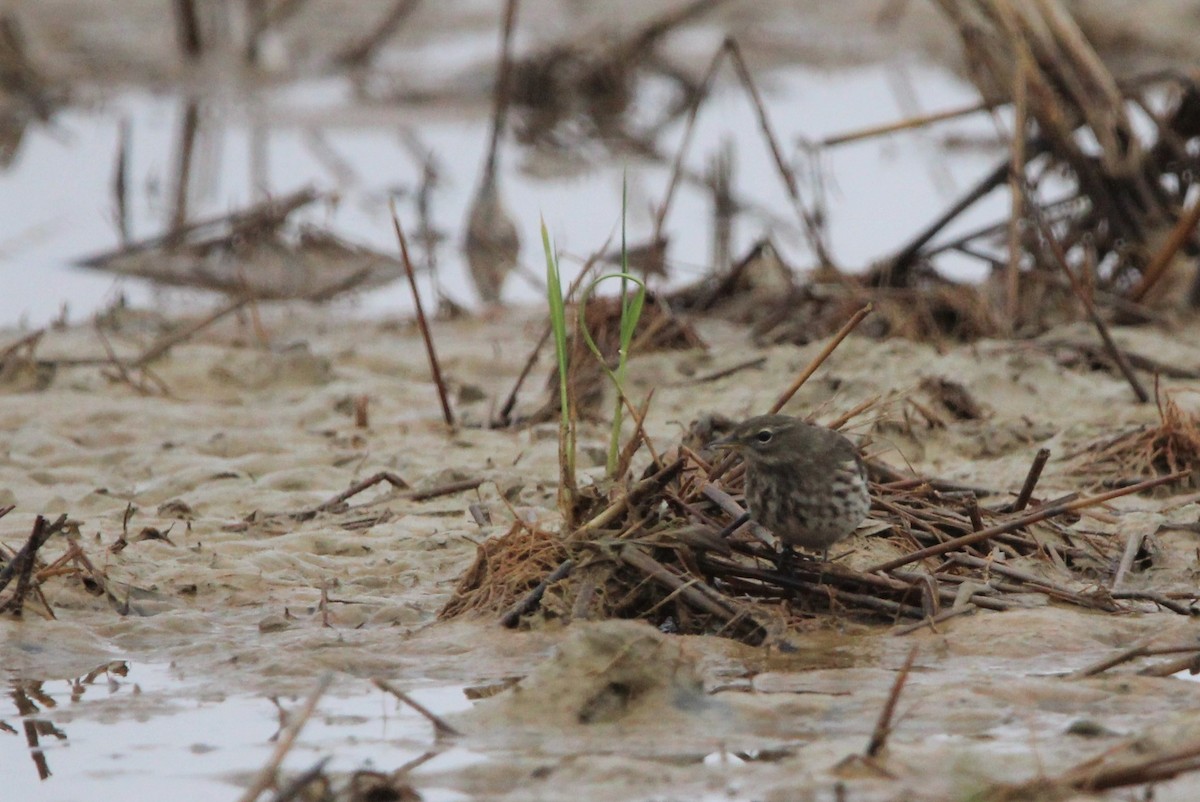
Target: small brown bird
805, 483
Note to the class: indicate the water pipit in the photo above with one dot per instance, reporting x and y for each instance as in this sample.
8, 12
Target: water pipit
805, 483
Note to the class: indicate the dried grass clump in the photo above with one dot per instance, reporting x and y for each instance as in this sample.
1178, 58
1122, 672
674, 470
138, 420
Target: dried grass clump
1148, 451
505, 570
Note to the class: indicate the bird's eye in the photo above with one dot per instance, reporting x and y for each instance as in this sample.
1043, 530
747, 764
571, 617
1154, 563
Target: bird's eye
764, 436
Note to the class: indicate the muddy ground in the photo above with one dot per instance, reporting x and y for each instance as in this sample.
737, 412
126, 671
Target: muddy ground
258, 420
252, 428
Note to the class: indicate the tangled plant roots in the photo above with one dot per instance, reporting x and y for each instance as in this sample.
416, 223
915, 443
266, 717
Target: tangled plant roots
505, 570
1148, 451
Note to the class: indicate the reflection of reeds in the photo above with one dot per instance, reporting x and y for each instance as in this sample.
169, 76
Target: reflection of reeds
492, 242
187, 29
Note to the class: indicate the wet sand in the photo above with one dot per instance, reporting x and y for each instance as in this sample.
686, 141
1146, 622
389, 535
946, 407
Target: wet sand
255, 427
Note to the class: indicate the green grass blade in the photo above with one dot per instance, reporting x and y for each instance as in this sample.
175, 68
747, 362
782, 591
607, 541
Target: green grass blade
558, 325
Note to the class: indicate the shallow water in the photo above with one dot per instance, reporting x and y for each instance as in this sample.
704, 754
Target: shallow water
143, 727
57, 204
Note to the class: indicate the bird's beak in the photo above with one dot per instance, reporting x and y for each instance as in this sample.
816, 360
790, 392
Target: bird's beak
723, 443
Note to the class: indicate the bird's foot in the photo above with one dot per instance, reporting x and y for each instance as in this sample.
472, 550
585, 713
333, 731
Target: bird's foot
785, 560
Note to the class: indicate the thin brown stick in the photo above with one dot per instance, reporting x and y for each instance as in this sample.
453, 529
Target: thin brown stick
811, 228
1041, 514
440, 725
749, 364
817, 590
974, 513
170, 341
919, 121
1132, 544
183, 172
21, 565
296, 721
360, 53
853, 412
1084, 298
1189, 663
504, 418
954, 612
1180, 234
820, 358
701, 94
697, 593
883, 726
1016, 179
638, 438
528, 604
297, 784
1170, 601
1139, 649
1143, 770
896, 271
395, 480
448, 489
1035, 582
1031, 480
267, 214
639, 491
422, 322
501, 90
187, 28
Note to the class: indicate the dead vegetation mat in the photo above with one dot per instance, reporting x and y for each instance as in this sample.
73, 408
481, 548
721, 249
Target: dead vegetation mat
675, 549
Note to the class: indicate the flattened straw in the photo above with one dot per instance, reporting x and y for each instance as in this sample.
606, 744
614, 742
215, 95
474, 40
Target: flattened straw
944, 615
447, 413
1041, 514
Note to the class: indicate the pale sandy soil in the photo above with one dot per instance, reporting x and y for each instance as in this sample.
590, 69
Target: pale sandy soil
254, 427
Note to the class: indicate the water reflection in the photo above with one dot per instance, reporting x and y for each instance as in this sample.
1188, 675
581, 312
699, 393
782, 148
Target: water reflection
138, 727
32, 703
142, 164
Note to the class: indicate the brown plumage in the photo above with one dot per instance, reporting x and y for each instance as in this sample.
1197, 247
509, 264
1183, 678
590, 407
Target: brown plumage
805, 483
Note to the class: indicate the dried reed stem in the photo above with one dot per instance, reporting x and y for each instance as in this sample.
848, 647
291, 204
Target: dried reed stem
422, 322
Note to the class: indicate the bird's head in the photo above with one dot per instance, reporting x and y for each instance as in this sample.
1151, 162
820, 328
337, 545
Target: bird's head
765, 438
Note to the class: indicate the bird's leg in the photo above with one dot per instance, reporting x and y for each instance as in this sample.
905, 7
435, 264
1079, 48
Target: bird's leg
786, 558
